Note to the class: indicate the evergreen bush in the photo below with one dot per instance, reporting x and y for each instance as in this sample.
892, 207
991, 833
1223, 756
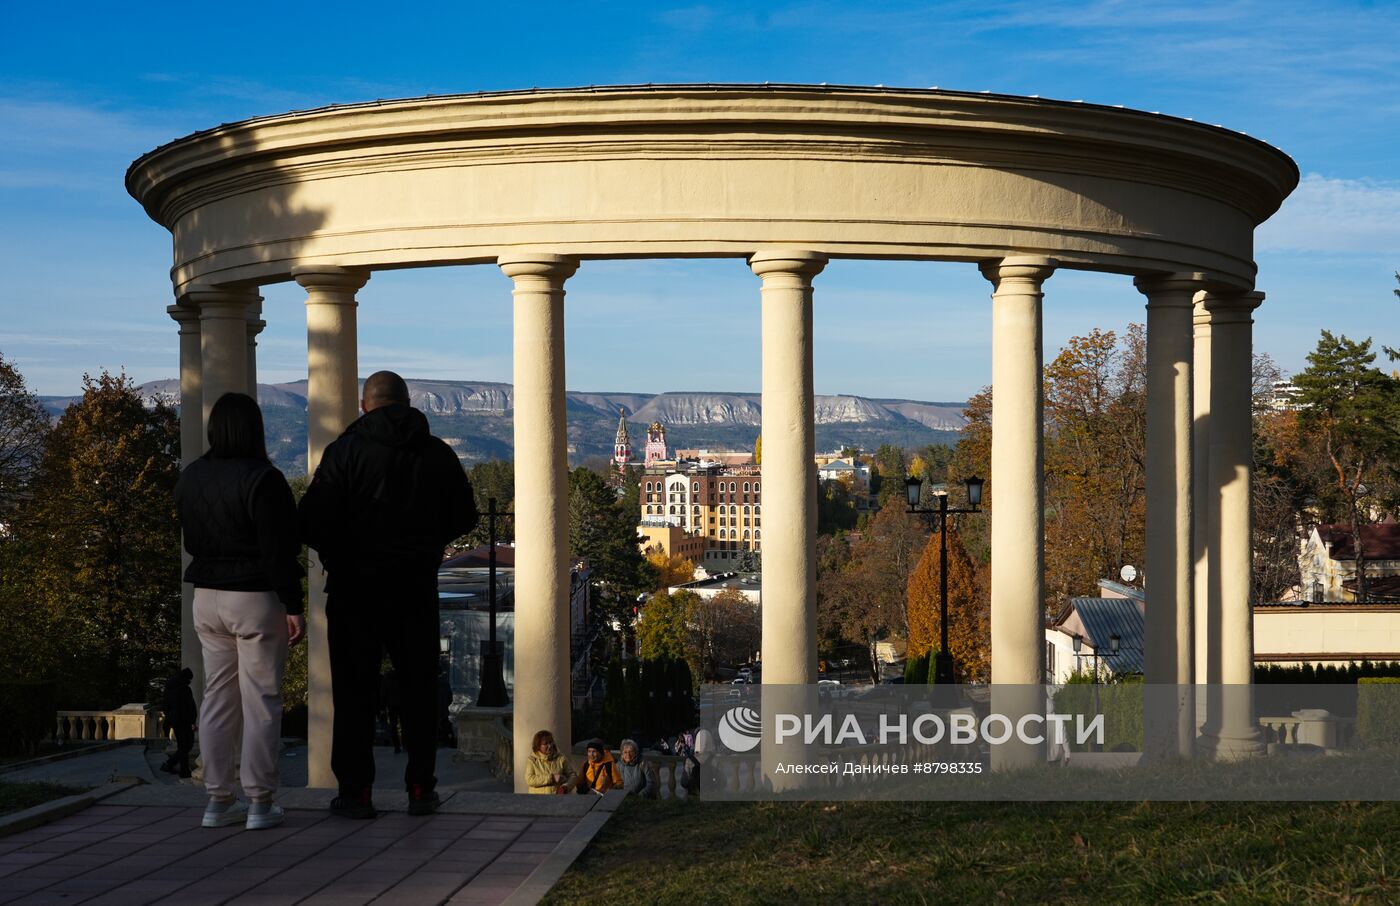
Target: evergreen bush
1378, 711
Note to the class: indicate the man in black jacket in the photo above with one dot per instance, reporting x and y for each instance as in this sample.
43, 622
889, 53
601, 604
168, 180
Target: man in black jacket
385, 500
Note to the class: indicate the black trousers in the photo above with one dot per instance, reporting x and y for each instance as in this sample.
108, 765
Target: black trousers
184, 742
398, 615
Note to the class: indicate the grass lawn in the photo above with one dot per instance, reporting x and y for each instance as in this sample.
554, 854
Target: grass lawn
991, 852
15, 797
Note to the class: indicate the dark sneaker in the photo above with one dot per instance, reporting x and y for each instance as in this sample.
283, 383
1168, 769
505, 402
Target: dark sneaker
354, 805
421, 801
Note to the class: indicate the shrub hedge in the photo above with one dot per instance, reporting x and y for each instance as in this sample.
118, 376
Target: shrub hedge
1378, 711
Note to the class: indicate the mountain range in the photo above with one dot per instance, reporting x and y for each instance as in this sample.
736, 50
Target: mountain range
475, 417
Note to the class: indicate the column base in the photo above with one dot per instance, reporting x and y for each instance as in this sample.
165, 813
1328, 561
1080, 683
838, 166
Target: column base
1231, 748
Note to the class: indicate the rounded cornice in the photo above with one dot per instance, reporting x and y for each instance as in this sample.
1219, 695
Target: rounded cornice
712, 170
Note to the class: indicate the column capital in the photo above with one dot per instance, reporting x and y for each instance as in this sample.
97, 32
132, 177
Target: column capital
795, 262
1029, 270
1228, 308
218, 301
546, 265
330, 277
1174, 290
187, 316
255, 321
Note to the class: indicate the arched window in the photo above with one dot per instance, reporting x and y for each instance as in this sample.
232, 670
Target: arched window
733, 487
746, 536
755, 487
757, 534
733, 510
673, 511
696, 487
746, 487
757, 510
746, 511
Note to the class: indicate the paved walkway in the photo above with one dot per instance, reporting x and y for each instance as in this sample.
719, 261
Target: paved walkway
145, 845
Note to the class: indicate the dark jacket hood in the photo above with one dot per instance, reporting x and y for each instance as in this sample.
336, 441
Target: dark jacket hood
394, 425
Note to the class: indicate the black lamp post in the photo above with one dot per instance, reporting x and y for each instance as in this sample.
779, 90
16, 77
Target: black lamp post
943, 667
1114, 643
493, 668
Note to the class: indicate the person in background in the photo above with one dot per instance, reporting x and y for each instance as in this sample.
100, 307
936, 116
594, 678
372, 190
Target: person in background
386, 499
547, 770
600, 772
180, 717
239, 524
636, 773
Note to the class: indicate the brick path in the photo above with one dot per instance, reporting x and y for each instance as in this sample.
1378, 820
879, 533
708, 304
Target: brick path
138, 854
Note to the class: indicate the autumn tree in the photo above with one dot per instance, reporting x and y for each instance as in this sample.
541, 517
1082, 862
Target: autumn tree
671, 569
969, 628
725, 630
97, 545
1095, 459
862, 598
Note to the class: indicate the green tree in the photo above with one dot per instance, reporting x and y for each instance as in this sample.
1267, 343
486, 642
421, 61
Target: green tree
23, 426
1353, 408
99, 546
615, 714
495, 478
836, 507
604, 534
891, 468
663, 630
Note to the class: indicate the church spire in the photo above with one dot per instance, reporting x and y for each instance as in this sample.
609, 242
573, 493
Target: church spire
622, 445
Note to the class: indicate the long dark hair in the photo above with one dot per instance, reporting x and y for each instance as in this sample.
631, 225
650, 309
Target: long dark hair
236, 428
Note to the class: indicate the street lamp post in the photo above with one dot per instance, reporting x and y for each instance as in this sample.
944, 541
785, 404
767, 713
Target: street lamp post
1114, 643
943, 666
493, 675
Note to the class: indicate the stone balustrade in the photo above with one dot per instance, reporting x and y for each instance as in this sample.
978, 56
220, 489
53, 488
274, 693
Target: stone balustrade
130, 721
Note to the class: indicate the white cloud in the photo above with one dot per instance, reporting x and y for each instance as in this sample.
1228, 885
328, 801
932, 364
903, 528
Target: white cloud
1350, 216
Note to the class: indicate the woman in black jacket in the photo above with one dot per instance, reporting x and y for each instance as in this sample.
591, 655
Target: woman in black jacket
239, 522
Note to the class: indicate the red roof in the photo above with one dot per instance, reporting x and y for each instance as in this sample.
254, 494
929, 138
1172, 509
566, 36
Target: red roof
1379, 542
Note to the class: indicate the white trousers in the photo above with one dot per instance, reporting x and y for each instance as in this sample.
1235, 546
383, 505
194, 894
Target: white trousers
244, 637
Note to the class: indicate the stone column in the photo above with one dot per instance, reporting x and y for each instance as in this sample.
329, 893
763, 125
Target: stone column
191, 446
255, 327
789, 467
1170, 643
542, 686
1207, 665
788, 472
332, 403
1018, 494
223, 342
1235, 732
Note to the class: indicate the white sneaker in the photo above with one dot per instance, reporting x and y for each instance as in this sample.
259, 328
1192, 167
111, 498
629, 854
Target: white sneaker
224, 814
263, 815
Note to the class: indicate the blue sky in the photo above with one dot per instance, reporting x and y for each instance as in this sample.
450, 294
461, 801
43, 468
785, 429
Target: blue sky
86, 88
